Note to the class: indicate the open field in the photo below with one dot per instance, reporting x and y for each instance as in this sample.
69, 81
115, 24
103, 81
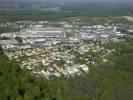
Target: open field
130, 18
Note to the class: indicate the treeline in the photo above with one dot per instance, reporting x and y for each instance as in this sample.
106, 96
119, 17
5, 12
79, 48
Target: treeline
32, 15
88, 10
8, 29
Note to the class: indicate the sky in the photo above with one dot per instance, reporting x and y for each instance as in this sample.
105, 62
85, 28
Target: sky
77, 0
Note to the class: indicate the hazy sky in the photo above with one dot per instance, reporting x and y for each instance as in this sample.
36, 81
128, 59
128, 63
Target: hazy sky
77, 0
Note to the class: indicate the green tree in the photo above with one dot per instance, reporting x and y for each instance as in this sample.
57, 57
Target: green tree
19, 39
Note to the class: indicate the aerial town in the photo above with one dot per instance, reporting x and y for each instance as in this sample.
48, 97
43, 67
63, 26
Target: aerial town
64, 51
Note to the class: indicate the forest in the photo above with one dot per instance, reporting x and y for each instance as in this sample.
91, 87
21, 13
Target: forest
8, 29
81, 10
